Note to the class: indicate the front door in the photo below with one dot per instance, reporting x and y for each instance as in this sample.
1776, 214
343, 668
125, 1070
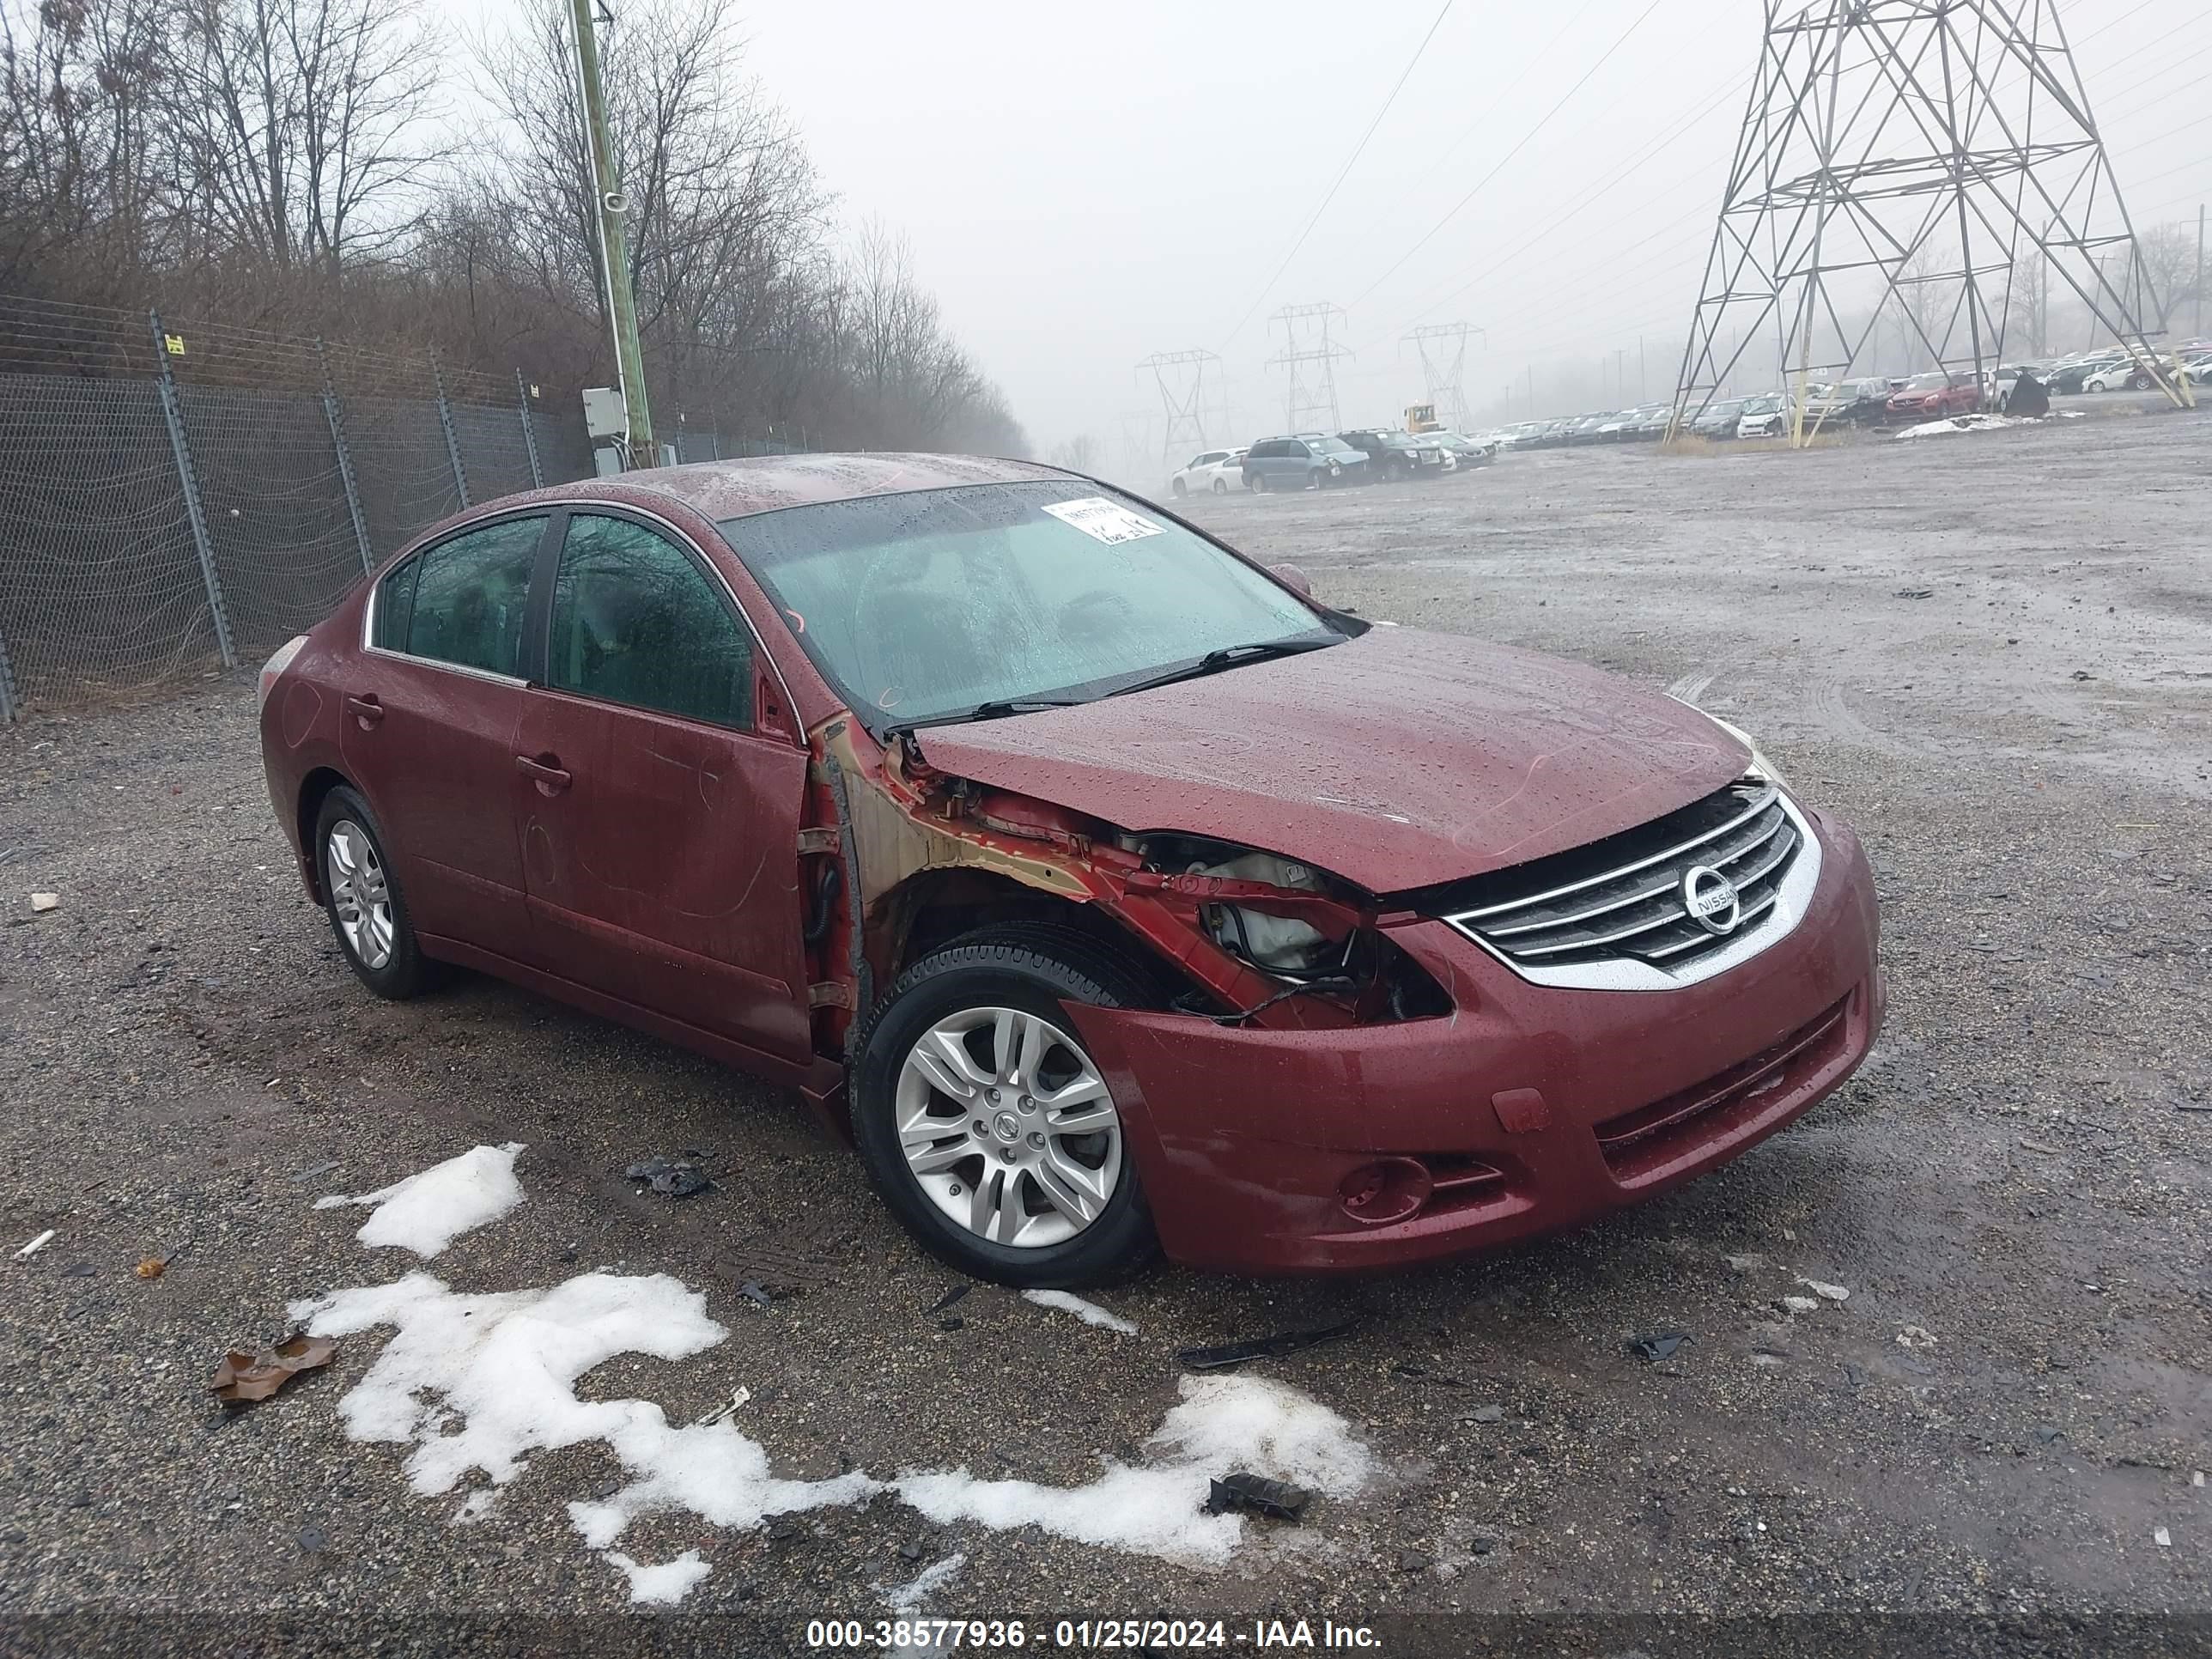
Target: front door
429, 723
660, 827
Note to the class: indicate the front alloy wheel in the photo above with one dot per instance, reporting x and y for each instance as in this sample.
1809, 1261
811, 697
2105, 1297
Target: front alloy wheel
1007, 1127
987, 1126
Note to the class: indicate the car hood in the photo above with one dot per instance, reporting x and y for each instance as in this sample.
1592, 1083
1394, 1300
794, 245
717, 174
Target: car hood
1398, 759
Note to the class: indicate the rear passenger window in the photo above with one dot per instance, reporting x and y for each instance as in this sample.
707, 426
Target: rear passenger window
636, 621
470, 596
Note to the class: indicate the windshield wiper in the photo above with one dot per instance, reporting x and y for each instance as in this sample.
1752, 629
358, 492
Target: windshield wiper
1229, 656
998, 709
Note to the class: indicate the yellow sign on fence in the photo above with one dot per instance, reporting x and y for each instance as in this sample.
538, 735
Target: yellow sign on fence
175, 343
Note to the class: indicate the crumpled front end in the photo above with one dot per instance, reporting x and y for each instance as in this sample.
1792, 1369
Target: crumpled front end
1529, 1108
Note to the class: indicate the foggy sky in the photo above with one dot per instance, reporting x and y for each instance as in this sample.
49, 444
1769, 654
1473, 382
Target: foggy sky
1085, 185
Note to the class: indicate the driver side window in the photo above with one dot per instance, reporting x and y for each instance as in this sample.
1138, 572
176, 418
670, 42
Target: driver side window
636, 621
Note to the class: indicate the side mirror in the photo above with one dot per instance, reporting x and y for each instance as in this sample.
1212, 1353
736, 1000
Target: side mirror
1294, 579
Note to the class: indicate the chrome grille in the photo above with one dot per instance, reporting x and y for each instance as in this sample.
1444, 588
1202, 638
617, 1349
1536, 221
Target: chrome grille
1623, 898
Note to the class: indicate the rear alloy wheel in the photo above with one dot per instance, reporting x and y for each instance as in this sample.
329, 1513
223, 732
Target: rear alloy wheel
1221, 486
368, 911
2139, 382
1257, 484
987, 1127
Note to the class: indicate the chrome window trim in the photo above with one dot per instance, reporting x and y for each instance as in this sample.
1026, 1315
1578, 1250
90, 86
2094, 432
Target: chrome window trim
603, 509
1791, 902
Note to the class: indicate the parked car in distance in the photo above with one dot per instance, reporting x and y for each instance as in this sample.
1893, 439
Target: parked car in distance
1766, 416
1305, 460
2067, 376
1717, 421
2197, 371
1208, 472
1466, 452
1522, 434
2126, 374
1392, 455
847, 769
1934, 396
1860, 401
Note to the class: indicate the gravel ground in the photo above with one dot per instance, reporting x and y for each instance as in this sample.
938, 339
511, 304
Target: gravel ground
1991, 653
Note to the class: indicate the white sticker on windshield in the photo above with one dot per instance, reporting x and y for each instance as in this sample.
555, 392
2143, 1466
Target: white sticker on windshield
1103, 520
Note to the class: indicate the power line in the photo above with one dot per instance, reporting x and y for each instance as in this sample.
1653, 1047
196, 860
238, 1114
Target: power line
1527, 139
1650, 154
1359, 149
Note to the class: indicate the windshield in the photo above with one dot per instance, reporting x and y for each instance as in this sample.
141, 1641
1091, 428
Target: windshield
1333, 446
929, 604
1927, 382
1762, 405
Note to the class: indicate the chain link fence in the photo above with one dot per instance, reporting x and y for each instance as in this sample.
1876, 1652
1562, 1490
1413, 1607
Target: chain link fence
176, 498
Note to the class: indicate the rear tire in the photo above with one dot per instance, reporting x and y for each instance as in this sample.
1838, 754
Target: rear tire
1221, 486
1257, 484
959, 1140
362, 898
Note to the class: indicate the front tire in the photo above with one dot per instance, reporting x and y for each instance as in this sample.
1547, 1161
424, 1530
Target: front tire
986, 1127
362, 897
1180, 489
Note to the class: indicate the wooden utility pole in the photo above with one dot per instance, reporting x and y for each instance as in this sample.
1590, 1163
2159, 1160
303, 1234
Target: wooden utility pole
614, 250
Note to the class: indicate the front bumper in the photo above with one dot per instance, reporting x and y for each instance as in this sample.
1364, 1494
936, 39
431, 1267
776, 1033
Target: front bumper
1245, 1137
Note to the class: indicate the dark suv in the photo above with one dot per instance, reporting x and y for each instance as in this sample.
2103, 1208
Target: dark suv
1393, 455
1303, 460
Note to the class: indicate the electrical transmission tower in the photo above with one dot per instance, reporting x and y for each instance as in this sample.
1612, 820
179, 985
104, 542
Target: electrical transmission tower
1310, 356
1183, 380
1443, 347
1912, 171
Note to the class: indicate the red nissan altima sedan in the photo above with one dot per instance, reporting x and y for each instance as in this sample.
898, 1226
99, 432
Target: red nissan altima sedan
1113, 895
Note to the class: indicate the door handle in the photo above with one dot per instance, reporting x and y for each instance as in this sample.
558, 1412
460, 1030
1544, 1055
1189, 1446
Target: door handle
366, 710
548, 776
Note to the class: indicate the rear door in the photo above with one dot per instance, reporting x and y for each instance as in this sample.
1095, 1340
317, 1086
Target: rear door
659, 825
430, 722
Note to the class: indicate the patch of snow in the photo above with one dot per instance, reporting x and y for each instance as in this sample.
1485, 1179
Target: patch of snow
1968, 423
665, 1584
907, 1599
1089, 1312
427, 1211
1832, 1292
480, 1382
1223, 1422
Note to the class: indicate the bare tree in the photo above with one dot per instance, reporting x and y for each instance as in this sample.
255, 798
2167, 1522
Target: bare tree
81, 153
2169, 265
304, 129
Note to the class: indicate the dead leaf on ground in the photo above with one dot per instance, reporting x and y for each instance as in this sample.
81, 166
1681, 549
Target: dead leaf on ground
243, 1378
